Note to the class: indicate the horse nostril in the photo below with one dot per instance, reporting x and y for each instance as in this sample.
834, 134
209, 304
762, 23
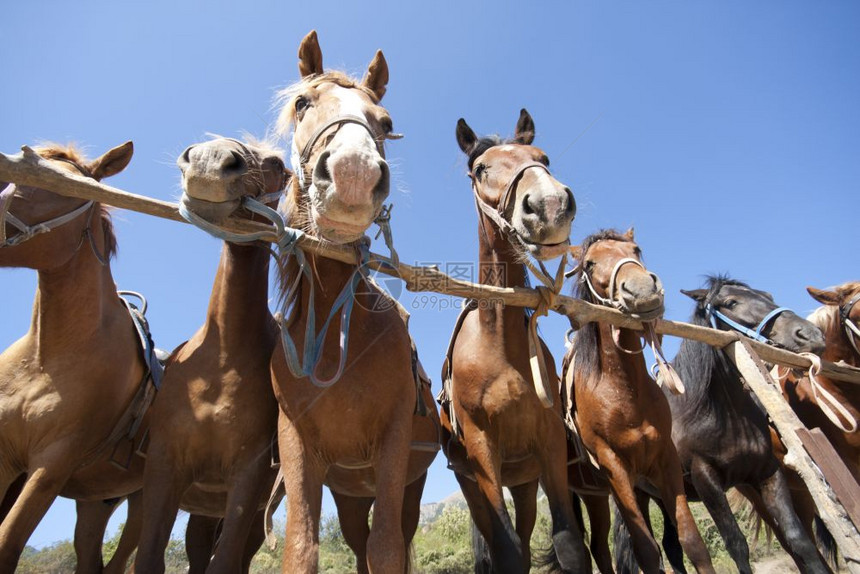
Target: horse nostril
527, 207
184, 159
233, 162
322, 176
384, 183
801, 334
571, 202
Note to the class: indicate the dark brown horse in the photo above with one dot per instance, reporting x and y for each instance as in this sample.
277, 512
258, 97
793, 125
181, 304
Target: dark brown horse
66, 386
214, 422
497, 431
720, 429
348, 394
621, 413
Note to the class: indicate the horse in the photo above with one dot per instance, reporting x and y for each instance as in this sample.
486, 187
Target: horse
213, 425
821, 402
721, 430
497, 430
71, 387
352, 415
622, 415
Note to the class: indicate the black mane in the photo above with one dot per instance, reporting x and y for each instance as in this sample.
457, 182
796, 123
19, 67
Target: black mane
484, 143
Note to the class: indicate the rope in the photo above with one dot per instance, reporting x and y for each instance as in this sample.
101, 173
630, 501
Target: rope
537, 361
823, 398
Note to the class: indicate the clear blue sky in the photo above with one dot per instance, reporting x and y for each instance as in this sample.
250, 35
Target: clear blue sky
727, 133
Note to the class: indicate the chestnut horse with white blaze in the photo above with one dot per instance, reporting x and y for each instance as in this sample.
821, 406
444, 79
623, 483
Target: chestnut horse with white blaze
70, 388
351, 408
497, 428
214, 422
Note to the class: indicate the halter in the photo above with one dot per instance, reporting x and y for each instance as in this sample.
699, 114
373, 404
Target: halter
755, 334
29, 231
611, 301
498, 214
851, 329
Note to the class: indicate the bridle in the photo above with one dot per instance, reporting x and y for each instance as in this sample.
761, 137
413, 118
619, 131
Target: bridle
851, 329
500, 213
610, 300
755, 334
27, 232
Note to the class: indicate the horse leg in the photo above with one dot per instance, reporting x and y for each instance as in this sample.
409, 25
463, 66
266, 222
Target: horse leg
412, 514
600, 518
674, 503
243, 499
525, 515
255, 539
487, 507
386, 545
162, 492
710, 489
40, 489
352, 512
567, 539
90, 525
304, 473
200, 536
670, 542
644, 546
130, 534
777, 500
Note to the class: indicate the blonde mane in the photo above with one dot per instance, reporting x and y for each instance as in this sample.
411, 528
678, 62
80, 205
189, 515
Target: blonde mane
827, 317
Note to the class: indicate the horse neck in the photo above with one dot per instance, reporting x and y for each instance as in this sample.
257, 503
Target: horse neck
838, 347
500, 266
73, 302
708, 374
625, 369
238, 306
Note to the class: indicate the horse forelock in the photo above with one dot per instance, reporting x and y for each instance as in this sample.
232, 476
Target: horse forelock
70, 152
483, 144
285, 98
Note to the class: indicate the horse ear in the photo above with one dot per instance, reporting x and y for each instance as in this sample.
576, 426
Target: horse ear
824, 297
575, 251
377, 75
466, 138
112, 162
525, 133
628, 235
310, 55
696, 294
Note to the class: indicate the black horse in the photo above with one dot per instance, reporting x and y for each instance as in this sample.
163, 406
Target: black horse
721, 430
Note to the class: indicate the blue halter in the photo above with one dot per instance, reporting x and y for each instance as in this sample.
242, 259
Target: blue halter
756, 335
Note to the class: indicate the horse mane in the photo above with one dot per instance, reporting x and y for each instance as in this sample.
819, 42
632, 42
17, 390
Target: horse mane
586, 345
484, 143
71, 153
697, 363
285, 98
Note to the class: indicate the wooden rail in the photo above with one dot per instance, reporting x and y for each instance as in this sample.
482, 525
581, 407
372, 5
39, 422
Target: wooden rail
28, 168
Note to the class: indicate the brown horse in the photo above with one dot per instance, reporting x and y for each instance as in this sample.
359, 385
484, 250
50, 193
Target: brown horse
496, 430
622, 415
832, 406
214, 422
348, 407
67, 384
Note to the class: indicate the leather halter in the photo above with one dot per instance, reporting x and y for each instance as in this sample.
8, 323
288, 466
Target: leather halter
851, 329
26, 231
610, 300
500, 214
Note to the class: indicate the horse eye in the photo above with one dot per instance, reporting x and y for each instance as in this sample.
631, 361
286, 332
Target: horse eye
544, 160
387, 125
302, 104
730, 304
589, 265
480, 170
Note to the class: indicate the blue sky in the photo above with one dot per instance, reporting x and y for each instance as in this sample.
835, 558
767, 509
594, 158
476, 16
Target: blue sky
727, 133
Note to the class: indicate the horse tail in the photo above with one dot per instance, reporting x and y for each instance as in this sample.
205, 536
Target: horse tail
480, 552
826, 544
625, 560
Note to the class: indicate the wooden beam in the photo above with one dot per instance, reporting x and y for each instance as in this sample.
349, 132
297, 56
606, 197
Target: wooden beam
786, 422
28, 168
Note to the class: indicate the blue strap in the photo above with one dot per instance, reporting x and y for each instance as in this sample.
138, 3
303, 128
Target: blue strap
752, 334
